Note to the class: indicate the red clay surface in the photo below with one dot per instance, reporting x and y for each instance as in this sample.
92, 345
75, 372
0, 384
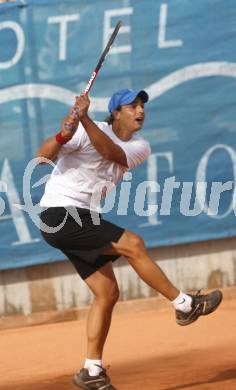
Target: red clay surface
145, 350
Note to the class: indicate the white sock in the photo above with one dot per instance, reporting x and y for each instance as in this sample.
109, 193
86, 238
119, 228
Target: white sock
92, 366
182, 302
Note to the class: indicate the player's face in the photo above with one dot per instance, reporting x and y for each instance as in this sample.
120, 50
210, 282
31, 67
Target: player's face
132, 115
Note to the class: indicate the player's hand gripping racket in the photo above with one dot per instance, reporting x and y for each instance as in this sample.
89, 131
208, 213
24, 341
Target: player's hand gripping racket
98, 67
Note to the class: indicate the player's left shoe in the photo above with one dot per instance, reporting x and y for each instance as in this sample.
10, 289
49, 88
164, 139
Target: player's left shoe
84, 381
201, 306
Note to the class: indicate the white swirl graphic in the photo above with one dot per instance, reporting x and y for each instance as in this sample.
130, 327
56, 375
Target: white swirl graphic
63, 95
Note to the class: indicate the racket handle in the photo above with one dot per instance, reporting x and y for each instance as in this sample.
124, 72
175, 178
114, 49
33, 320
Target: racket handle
75, 114
68, 126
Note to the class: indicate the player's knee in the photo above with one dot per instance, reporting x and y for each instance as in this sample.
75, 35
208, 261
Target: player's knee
136, 244
109, 296
130, 245
112, 297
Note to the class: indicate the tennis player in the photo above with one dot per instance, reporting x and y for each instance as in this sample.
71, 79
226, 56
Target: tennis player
91, 158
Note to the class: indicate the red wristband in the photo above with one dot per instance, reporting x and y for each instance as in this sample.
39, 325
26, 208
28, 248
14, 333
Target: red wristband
60, 139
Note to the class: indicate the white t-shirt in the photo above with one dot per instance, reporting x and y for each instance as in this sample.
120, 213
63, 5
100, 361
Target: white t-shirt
82, 176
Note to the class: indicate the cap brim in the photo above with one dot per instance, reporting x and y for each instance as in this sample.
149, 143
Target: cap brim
143, 95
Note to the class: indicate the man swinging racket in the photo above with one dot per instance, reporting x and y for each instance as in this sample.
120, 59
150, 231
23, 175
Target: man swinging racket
90, 154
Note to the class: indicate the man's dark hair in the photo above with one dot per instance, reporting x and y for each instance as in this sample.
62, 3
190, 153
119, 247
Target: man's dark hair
110, 119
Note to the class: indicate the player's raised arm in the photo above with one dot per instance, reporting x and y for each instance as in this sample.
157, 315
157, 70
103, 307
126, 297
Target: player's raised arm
102, 143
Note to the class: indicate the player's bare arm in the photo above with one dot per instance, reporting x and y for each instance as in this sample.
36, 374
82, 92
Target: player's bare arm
51, 146
102, 143
49, 149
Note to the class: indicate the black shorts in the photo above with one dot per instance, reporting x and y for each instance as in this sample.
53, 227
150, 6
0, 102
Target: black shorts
83, 243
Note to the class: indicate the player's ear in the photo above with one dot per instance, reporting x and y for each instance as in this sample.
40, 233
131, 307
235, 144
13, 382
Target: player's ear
116, 114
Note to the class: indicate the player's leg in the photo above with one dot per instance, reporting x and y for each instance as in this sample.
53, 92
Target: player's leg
132, 246
188, 307
104, 286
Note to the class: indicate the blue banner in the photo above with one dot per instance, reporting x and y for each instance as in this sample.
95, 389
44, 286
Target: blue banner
182, 53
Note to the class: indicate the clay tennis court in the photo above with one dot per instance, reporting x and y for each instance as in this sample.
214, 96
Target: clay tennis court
145, 350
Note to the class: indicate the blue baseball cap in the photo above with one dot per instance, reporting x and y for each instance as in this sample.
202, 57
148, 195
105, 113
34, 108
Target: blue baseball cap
125, 96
